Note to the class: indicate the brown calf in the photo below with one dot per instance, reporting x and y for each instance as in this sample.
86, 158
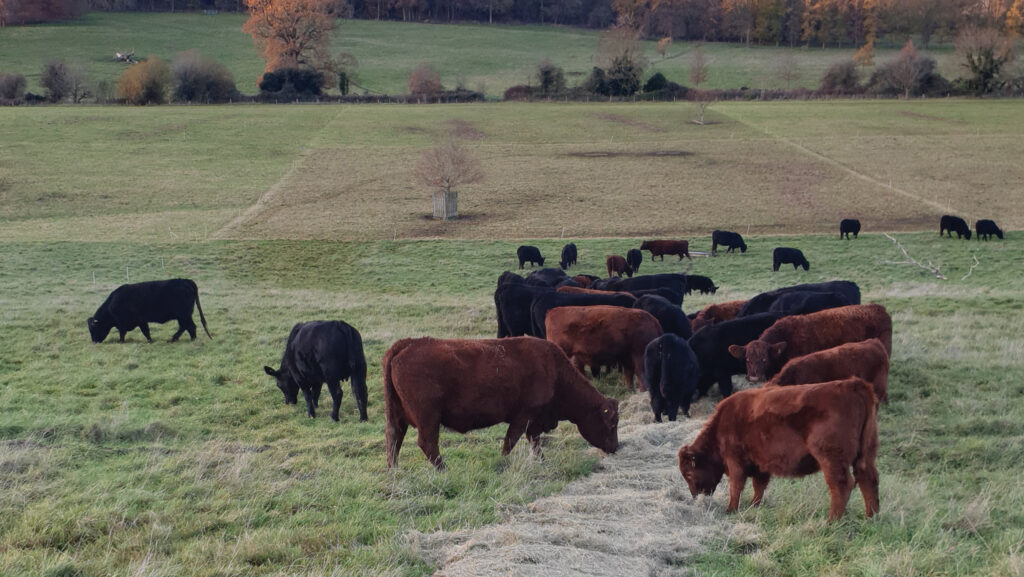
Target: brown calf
663, 247
865, 359
716, 313
618, 265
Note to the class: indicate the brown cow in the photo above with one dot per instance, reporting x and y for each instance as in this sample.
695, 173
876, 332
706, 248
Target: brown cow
576, 290
799, 335
663, 247
866, 359
603, 335
716, 313
583, 280
526, 382
789, 432
618, 265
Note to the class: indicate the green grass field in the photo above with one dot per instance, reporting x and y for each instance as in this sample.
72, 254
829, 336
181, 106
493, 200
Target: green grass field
480, 57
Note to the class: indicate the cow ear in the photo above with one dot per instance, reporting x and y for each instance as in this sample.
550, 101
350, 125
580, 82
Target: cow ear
269, 371
778, 348
738, 351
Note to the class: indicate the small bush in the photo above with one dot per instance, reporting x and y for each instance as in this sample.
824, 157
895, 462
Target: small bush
596, 83
424, 81
840, 78
550, 79
623, 76
656, 82
300, 82
199, 79
56, 79
343, 82
147, 82
519, 92
12, 86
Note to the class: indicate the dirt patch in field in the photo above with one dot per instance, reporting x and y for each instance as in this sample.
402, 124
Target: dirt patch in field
619, 119
632, 516
620, 153
464, 129
910, 114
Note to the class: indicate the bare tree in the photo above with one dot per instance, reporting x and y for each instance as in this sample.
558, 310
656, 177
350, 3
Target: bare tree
788, 70
984, 52
445, 167
698, 75
910, 68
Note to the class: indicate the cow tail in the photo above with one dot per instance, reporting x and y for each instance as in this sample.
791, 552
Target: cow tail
868, 449
200, 308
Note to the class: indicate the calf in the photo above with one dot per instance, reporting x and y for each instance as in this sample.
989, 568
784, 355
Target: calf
716, 313
545, 302
866, 359
671, 371
762, 302
600, 335
617, 265
663, 247
949, 224
800, 335
634, 258
671, 318
568, 256
137, 305
526, 382
785, 255
711, 345
848, 225
702, 284
733, 240
789, 432
529, 254
986, 228
318, 352
806, 302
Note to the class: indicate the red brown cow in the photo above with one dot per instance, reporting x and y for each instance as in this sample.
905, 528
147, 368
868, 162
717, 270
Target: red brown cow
716, 313
799, 335
866, 359
583, 280
462, 385
663, 247
618, 265
603, 335
789, 432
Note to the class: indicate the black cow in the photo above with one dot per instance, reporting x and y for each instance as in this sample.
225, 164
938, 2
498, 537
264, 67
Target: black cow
703, 284
806, 302
986, 228
529, 254
544, 302
138, 304
733, 240
509, 277
672, 281
949, 224
785, 255
762, 302
672, 373
633, 258
848, 225
671, 317
512, 305
568, 256
663, 292
319, 352
550, 277
711, 345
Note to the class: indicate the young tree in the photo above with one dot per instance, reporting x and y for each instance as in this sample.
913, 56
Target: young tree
78, 82
663, 44
424, 81
788, 70
445, 167
292, 33
550, 79
55, 80
910, 68
12, 86
984, 53
621, 56
698, 67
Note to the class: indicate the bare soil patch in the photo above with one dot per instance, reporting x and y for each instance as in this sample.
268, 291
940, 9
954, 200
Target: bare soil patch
618, 118
464, 129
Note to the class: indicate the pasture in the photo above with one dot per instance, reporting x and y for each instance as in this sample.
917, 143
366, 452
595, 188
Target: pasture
165, 459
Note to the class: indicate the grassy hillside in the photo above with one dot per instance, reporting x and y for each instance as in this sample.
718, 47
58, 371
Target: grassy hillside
480, 57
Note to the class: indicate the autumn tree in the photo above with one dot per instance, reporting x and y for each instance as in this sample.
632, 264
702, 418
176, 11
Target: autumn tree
424, 81
663, 44
444, 168
983, 52
292, 33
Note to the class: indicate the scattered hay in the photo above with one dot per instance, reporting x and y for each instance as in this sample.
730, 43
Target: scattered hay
632, 516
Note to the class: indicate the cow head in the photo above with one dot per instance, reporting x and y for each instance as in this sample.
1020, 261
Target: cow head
98, 330
702, 472
761, 357
602, 430
806, 265
999, 233
287, 385
743, 246
645, 245
967, 233
629, 270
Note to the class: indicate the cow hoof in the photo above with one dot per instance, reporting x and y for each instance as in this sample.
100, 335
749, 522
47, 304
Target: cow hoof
334, 418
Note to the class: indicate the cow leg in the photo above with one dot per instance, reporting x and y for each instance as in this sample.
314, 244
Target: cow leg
336, 395
394, 434
627, 378
360, 397
737, 479
316, 394
725, 384
427, 438
656, 406
866, 476
840, 485
144, 327
515, 430
121, 332
671, 409
307, 393
177, 335
760, 484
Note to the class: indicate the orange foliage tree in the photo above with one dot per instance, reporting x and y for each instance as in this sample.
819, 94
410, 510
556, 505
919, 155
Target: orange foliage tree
292, 33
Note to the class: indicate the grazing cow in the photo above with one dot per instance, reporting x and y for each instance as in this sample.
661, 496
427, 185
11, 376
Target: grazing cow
663, 292
785, 255
634, 258
568, 256
848, 225
512, 303
716, 313
762, 302
672, 281
529, 254
702, 284
617, 265
789, 432
549, 277
711, 345
601, 335
671, 371
663, 247
545, 302
585, 280
509, 277
800, 335
138, 304
671, 318
526, 382
949, 224
806, 302
986, 228
319, 352
866, 359
733, 240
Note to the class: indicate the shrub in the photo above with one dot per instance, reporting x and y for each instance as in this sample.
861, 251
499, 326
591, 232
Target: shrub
292, 82
840, 78
343, 86
199, 79
656, 82
596, 83
519, 92
56, 80
550, 79
147, 82
12, 86
908, 77
623, 76
424, 81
